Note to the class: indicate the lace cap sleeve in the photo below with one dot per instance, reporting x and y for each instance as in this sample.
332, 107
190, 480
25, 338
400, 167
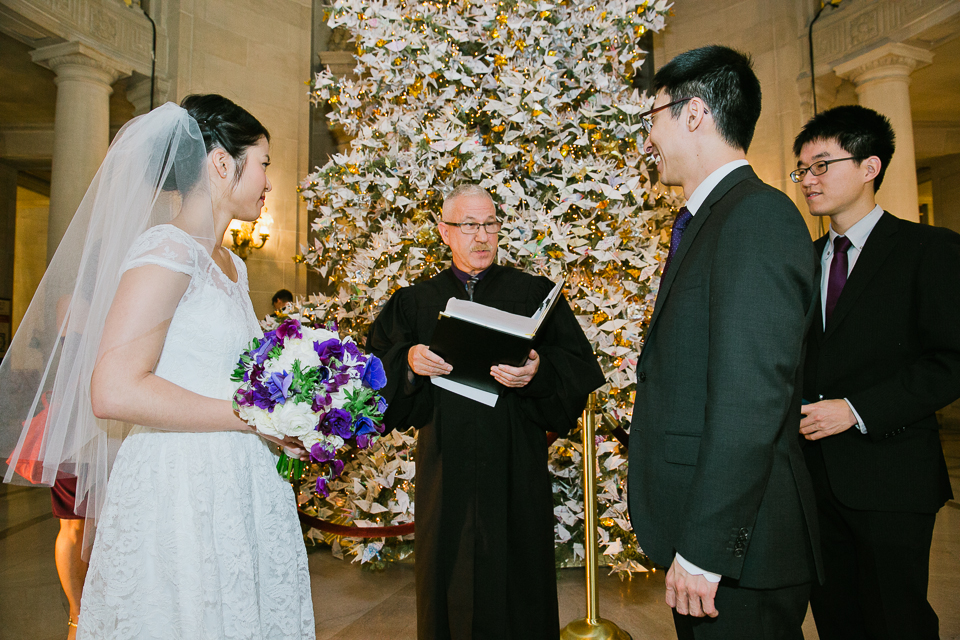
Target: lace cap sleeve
166, 246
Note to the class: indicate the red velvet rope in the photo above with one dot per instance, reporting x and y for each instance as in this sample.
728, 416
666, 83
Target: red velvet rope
349, 531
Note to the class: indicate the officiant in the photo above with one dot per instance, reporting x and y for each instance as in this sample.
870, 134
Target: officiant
484, 506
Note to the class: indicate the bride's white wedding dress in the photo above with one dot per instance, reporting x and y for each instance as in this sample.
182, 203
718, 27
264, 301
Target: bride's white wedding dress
198, 537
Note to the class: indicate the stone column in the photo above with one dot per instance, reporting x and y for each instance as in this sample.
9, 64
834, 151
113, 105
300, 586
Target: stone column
81, 127
8, 227
138, 93
882, 78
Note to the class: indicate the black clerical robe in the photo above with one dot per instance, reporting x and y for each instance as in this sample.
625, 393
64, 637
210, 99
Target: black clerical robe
484, 508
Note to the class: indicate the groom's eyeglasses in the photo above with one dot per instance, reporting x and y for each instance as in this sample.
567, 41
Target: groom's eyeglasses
646, 118
473, 228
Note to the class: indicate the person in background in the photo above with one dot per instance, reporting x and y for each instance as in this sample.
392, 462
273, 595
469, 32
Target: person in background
281, 299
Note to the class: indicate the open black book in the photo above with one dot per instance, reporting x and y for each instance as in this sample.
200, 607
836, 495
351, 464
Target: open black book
473, 337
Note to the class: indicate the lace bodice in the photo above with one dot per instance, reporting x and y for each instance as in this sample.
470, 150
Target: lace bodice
214, 321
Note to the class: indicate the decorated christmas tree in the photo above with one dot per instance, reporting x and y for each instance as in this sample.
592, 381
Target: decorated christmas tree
534, 101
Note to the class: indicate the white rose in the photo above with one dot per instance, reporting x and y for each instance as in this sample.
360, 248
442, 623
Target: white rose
295, 419
318, 335
295, 350
310, 439
340, 397
261, 419
334, 441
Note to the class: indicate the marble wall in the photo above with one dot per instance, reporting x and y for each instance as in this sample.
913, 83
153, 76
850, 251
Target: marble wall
30, 249
768, 32
258, 55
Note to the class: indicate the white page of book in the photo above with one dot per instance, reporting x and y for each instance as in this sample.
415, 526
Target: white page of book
483, 397
501, 320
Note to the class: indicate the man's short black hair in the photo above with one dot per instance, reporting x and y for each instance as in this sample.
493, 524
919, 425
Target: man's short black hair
724, 79
283, 294
859, 131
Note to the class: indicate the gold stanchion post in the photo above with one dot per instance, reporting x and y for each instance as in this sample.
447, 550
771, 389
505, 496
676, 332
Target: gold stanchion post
593, 626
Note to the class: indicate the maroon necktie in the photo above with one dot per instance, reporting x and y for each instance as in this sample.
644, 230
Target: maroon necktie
683, 219
838, 273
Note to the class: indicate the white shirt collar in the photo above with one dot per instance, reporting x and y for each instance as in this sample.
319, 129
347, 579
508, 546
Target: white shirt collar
703, 190
858, 233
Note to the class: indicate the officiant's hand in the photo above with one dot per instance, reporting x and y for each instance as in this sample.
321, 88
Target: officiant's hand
689, 594
517, 376
424, 362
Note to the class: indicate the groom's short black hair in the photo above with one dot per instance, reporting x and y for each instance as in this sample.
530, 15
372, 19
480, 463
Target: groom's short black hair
859, 131
724, 79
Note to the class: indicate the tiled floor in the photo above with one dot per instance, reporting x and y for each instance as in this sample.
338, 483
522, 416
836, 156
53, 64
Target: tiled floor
360, 605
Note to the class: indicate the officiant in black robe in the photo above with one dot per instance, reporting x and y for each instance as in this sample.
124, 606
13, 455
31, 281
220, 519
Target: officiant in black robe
484, 545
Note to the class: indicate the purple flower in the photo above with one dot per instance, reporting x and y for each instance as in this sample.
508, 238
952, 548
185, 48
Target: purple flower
373, 374
257, 395
352, 349
336, 468
322, 487
289, 328
278, 386
320, 402
337, 422
364, 426
381, 404
363, 441
338, 381
328, 349
321, 452
261, 353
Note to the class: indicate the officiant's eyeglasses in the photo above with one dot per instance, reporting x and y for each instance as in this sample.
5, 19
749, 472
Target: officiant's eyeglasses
646, 118
816, 169
473, 228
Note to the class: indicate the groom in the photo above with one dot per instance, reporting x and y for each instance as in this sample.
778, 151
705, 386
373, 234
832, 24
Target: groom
718, 489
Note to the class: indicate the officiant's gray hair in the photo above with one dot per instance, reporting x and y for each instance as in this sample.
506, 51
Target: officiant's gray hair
467, 190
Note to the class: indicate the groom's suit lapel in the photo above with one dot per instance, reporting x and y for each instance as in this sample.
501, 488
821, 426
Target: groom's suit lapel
735, 177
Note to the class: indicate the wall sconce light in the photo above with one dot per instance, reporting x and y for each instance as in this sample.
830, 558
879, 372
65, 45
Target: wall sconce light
245, 233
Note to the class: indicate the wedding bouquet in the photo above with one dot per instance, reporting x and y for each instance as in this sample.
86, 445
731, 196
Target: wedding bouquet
307, 383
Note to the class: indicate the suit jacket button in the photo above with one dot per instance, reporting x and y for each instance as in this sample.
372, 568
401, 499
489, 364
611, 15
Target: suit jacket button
743, 532
642, 377
738, 553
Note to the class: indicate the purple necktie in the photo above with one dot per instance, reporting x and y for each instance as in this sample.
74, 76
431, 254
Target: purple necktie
683, 219
838, 273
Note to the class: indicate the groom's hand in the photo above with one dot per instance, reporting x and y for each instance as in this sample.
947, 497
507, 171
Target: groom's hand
689, 594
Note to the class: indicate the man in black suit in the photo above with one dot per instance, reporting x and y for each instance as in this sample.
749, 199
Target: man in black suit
882, 357
718, 489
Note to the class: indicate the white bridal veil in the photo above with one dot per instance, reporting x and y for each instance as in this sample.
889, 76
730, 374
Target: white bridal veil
154, 172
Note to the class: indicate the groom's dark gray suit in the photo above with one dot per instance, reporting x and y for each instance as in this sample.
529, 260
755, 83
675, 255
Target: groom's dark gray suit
716, 472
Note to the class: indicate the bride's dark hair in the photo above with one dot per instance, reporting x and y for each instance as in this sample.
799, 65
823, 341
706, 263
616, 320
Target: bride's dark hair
226, 125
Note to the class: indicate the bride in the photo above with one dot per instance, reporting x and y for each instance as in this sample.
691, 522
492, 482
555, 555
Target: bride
196, 533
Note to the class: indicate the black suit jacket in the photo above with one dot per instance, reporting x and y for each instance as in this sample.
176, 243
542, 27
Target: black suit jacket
892, 348
716, 472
